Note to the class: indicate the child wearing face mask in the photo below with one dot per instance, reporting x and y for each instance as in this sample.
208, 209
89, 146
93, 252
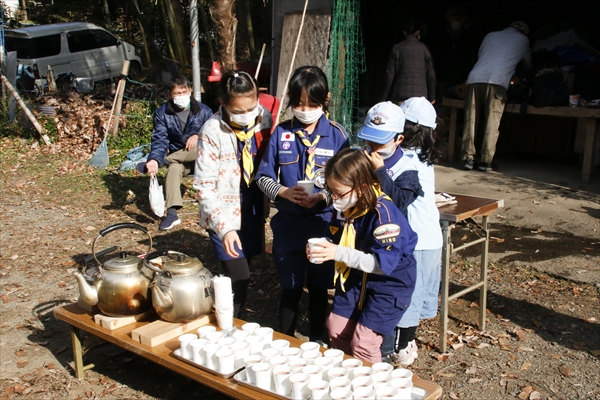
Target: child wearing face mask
372, 248
230, 146
299, 150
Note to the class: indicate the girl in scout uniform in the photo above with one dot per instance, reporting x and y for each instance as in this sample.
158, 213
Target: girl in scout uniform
298, 150
230, 145
372, 248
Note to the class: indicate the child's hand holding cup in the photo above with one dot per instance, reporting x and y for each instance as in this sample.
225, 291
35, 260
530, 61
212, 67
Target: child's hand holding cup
309, 186
315, 249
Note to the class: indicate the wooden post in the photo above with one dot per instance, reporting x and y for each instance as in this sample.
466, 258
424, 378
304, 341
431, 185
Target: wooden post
120, 91
26, 110
51, 81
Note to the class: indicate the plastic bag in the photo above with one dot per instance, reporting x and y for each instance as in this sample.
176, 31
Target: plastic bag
157, 198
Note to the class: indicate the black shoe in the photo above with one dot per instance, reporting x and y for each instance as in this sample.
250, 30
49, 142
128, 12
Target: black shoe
469, 164
484, 167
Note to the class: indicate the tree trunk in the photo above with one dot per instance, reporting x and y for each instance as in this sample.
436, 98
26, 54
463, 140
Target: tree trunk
225, 22
177, 15
168, 43
175, 39
211, 52
138, 14
107, 17
251, 46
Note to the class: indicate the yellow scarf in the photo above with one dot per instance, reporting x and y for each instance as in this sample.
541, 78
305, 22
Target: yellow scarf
309, 172
246, 138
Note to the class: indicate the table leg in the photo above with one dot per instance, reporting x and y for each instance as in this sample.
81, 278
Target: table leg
588, 149
78, 353
452, 134
483, 276
446, 253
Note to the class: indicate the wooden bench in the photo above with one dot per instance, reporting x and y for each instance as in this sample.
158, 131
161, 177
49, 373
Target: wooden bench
586, 122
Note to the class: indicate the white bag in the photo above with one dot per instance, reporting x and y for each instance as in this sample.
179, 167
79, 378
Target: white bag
157, 198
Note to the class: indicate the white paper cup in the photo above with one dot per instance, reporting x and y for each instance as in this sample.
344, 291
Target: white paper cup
364, 393
298, 363
404, 388
249, 362
336, 355
262, 374
314, 371
350, 364
226, 360
204, 330
299, 383
363, 371
281, 377
292, 352
309, 186
280, 344
324, 362
382, 367
213, 337
269, 353
256, 344
224, 318
341, 394
403, 374
250, 326
337, 372
310, 346
240, 336
196, 345
226, 342
381, 379
319, 389
311, 355
311, 244
184, 345
242, 350
210, 360
340, 382
362, 382
266, 333
386, 392
279, 360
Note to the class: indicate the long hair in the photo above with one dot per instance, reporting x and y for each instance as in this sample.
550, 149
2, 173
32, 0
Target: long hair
352, 168
312, 80
236, 84
425, 139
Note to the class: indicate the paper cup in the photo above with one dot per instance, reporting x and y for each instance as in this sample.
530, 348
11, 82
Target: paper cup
278, 361
281, 377
365, 393
226, 342
266, 333
341, 394
336, 355
362, 382
404, 387
240, 335
249, 362
256, 344
226, 360
224, 317
363, 371
280, 344
298, 363
314, 371
350, 364
341, 382
269, 353
402, 373
386, 392
311, 244
196, 345
311, 355
381, 379
205, 330
250, 327
319, 389
242, 350
292, 352
184, 345
337, 372
310, 346
299, 383
309, 186
213, 337
382, 367
210, 360
324, 362
262, 374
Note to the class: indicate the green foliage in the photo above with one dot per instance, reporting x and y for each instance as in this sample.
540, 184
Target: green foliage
8, 129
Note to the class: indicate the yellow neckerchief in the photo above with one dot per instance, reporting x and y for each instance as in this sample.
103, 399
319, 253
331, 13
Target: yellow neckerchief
309, 171
348, 239
244, 135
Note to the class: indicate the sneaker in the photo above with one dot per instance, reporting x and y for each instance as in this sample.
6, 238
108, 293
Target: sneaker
469, 164
484, 167
169, 222
404, 357
412, 347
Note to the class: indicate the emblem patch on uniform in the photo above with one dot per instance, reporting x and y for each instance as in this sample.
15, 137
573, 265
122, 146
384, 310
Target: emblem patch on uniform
386, 231
319, 178
333, 229
287, 137
390, 173
285, 145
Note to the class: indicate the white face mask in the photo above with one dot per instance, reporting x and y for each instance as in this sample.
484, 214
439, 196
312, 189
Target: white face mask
345, 203
308, 117
244, 119
182, 101
455, 25
385, 152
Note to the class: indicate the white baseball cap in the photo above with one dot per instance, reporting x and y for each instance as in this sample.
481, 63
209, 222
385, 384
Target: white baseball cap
420, 111
382, 123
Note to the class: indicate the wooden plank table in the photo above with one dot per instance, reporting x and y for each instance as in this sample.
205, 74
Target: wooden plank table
79, 319
586, 121
466, 207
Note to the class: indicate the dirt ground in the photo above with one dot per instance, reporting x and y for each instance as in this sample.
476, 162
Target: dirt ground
542, 339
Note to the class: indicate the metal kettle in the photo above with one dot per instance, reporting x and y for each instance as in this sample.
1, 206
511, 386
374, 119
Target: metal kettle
182, 290
121, 285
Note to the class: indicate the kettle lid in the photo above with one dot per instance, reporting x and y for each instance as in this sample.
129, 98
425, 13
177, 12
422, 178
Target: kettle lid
124, 262
181, 264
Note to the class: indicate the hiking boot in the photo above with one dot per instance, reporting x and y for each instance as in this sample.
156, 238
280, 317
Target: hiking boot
469, 164
484, 167
412, 347
169, 222
403, 357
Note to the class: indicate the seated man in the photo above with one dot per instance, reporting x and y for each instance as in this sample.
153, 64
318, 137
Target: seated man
174, 141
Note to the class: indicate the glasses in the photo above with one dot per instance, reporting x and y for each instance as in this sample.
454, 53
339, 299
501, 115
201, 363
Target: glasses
335, 196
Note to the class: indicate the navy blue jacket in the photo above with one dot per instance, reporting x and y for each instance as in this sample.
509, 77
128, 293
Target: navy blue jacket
167, 136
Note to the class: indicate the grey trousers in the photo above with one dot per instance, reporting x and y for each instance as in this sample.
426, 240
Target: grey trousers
181, 163
485, 101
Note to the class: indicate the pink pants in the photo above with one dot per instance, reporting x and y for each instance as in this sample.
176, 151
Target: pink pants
354, 338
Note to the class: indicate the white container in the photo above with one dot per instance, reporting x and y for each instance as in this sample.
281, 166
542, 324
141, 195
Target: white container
404, 387
310, 346
350, 364
269, 353
319, 389
336, 355
386, 392
205, 330
213, 337
362, 382
262, 374
363, 371
341, 394
382, 367
314, 372
381, 379
240, 336
337, 372
340, 382
324, 362
281, 378
184, 345
279, 360
242, 350
292, 352
298, 363
210, 350
256, 344
405, 375
226, 342
308, 186
225, 360
266, 333
364, 393
311, 355
250, 326
299, 383
280, 344
312, 243
249, 362
196, 346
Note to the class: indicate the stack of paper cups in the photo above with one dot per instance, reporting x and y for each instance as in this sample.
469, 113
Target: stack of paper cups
223, 301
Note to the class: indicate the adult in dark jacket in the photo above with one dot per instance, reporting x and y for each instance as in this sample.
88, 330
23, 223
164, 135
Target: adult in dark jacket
174, 143
409, 72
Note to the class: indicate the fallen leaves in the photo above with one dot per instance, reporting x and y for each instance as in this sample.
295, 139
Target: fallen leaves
525, 392
474, 380
22, 363
526, 365
565, 371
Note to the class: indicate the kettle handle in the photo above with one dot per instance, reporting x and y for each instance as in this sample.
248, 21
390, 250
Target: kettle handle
114, 227
152, 256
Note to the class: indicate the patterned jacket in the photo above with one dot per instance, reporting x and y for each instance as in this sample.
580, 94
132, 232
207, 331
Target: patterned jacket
217, 176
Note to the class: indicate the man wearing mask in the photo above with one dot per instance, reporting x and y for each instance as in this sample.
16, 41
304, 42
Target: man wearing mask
174, 142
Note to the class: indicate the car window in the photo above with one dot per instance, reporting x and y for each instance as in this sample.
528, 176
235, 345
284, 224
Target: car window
28, 48
81, 41
103, 38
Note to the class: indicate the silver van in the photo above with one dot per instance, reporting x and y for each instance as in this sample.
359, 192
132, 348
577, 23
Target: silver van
86, 50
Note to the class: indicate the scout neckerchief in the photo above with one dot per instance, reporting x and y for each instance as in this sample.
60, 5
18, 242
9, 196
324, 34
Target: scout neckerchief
244, 135
348, 239
309, 172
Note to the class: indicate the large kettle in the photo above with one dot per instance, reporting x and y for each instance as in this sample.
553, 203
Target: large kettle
120, 286
182, 290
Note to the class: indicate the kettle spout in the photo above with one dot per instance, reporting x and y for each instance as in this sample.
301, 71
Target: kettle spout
162, 302
87, 292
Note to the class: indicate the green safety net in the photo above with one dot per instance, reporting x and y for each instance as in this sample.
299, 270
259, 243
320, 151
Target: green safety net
346, 63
